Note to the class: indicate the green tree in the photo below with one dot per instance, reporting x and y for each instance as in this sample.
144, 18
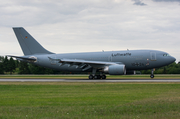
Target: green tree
41, 70
17, 63
12, 65
165, 70
173, 68
6, 64
146, 71
34, 69
1, 65
23, 68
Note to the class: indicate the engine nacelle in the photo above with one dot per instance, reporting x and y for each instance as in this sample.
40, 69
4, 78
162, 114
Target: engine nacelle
115, 69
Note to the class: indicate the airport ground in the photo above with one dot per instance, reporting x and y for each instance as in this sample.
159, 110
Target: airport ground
140, 100
157, 76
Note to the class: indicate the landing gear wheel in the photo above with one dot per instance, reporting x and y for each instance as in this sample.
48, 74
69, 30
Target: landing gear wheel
103, 77
91, 76
152, 76
97, 77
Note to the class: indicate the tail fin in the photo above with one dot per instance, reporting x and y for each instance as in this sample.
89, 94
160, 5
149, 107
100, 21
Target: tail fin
28, 44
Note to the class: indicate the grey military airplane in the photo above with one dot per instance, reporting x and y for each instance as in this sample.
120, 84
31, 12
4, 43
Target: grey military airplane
99, 63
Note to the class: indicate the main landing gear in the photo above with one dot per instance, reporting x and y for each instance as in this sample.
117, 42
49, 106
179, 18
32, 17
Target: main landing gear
93, 76
97, 77
152, 75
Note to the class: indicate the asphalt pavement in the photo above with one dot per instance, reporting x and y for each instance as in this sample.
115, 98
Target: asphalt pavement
89, 80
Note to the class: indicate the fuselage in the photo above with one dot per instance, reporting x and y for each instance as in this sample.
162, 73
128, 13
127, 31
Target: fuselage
132, 59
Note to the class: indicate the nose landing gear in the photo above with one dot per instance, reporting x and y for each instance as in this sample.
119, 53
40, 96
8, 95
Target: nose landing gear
152, 75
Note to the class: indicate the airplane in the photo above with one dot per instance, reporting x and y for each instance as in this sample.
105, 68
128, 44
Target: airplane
99, 63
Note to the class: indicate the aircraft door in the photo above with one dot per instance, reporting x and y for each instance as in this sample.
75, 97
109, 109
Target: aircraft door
110, 58
153, 56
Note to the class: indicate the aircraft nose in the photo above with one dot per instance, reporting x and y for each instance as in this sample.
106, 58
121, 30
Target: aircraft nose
173, 59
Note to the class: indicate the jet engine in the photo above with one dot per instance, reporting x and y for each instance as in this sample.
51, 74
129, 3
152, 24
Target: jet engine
115, 69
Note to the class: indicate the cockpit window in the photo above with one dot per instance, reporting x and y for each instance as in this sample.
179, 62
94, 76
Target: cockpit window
165, 55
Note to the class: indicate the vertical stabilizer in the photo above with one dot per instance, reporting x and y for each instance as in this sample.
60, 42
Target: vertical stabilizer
28, 44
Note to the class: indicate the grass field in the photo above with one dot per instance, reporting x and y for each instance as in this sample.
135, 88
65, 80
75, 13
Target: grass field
54, 100
157, 76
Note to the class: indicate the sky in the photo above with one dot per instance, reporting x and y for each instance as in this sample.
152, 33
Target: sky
69, 26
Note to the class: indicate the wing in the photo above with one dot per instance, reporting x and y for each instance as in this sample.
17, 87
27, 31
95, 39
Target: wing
84, 64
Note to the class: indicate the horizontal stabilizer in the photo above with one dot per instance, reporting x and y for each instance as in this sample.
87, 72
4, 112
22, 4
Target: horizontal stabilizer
23, 58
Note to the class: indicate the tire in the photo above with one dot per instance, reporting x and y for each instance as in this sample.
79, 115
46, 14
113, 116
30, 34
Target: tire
97, 77
152, 76
103, 77
91, 76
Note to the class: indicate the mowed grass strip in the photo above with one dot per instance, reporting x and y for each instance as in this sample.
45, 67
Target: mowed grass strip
157, 76
89, 100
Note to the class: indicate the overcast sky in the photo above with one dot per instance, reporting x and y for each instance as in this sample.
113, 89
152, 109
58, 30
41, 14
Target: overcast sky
64, 26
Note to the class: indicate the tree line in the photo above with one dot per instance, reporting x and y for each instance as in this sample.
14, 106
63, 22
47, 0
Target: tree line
11, 66
173, 68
